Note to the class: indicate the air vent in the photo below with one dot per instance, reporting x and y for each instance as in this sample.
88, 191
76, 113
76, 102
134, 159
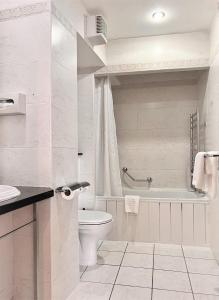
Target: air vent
96, 30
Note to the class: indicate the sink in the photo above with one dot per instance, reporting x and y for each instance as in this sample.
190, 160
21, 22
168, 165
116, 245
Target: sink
8, 192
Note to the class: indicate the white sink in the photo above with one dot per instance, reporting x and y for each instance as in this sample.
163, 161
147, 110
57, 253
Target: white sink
8, 192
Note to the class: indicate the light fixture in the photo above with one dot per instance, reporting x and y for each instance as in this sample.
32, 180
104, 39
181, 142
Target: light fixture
4, 103
158, 16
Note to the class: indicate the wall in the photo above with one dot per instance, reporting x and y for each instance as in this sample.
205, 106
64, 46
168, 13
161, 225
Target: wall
175, 51
211, 109
86, 138
25, 140
64, 220
152, 120
40, 148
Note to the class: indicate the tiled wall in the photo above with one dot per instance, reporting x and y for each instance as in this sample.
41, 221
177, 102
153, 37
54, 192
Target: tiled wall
64, 221
25, 142
153, 130
211, 110
86, 138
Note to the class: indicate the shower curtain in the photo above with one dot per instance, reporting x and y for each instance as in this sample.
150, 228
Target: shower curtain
108, 179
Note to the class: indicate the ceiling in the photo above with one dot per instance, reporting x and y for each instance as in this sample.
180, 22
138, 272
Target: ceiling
133, 18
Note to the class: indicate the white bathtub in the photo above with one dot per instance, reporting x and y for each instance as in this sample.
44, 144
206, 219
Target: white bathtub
165, 215
166, 194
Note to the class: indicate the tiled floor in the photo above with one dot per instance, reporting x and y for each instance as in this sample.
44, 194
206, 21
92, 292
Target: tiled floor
144, 271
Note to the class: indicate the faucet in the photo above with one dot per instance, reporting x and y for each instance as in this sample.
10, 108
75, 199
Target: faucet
149, 181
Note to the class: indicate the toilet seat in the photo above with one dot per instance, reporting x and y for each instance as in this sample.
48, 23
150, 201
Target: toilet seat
93, 217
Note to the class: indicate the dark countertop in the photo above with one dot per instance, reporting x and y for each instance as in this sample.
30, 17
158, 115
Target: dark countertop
29, 195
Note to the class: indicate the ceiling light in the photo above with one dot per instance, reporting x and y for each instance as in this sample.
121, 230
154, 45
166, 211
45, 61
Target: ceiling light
158, 16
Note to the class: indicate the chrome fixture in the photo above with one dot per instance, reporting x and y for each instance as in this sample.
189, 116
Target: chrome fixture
72, 187
148, 180
5, 102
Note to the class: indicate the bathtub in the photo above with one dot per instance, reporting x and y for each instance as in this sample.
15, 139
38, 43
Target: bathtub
165, 215
166, 195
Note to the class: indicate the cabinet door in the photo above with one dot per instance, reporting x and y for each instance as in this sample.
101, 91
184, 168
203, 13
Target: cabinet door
17, 265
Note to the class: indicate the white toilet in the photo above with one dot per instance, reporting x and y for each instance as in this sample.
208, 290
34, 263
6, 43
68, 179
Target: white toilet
93, 226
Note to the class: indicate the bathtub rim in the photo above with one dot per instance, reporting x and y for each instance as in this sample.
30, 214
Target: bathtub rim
201, 200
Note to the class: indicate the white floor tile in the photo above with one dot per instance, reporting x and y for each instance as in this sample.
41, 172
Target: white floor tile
171, 295
113, 246
205, 284
175, 281
135, 277
205, 297
198, 252
202, 266
92, 291
130, 293
138, 260
173, 263
109, 258
135, 247
101, 274
166, 249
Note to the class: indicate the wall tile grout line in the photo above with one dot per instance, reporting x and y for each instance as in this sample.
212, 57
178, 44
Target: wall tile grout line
118, 270
188, 273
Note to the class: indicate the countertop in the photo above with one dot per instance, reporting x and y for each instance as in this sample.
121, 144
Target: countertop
28, 196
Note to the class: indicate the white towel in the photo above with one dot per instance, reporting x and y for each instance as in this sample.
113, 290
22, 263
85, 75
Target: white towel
132, 204
205, 176
211, 171
199, 171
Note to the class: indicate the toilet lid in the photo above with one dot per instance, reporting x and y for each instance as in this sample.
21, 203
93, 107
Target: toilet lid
93, 217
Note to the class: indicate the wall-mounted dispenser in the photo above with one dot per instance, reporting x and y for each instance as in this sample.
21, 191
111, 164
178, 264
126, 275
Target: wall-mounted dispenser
12, 104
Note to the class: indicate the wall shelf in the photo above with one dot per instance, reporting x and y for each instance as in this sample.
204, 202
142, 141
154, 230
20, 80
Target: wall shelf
88, 60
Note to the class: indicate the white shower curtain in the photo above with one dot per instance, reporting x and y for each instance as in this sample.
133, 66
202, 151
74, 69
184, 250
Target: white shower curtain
108, 180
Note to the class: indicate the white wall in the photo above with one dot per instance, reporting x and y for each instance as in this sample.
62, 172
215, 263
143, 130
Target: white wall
165, 52
152, 122
158, 48
212, 119
64, 220
86, 138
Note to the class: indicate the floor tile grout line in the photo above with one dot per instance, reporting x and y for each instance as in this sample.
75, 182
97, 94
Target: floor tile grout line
188, 273
118, 270
152, 283
147, 287
83, 271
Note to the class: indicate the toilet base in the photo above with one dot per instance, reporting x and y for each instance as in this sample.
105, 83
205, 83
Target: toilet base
88, 253
89, 236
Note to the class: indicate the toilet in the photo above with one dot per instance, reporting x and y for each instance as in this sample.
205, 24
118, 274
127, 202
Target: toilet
93, 226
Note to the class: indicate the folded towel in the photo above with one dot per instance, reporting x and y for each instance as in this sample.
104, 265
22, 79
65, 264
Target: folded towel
132, 204
199, 171
211, 171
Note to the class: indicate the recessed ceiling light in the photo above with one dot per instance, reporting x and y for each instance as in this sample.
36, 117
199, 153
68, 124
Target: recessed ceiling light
158, 16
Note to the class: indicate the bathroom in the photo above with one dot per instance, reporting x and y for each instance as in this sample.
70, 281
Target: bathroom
109, 150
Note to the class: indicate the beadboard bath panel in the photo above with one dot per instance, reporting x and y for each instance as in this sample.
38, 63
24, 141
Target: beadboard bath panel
159, 221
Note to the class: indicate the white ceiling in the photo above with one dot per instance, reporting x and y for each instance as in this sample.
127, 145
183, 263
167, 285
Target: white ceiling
132, 18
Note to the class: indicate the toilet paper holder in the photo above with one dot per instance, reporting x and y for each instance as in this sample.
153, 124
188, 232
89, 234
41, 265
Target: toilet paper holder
73, 187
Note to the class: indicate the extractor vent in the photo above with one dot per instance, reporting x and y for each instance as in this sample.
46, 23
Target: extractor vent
96, 30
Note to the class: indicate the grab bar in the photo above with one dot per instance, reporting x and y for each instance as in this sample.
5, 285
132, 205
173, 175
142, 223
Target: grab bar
148, 179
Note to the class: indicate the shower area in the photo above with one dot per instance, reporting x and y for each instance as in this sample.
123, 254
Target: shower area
157, 127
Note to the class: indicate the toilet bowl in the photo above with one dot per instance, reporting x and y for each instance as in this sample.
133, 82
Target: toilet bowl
93, 226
